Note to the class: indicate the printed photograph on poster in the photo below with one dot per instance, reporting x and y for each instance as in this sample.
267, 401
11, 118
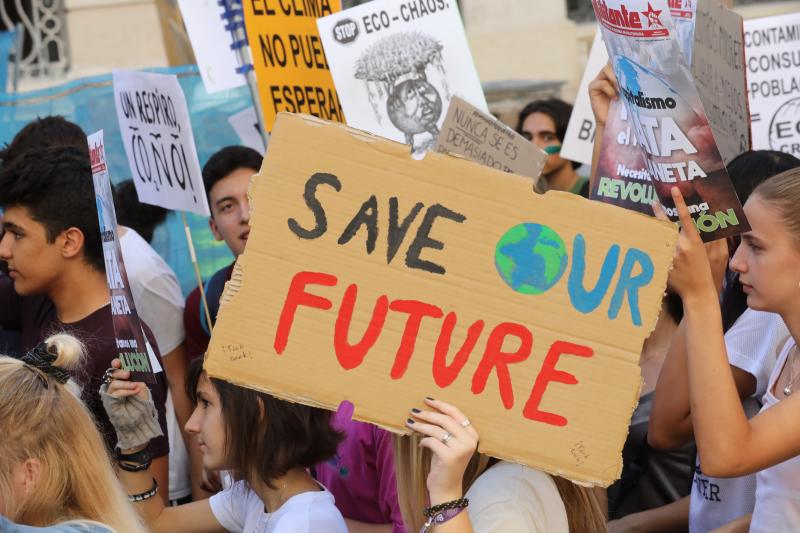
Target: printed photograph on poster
158, 140
397, 65
132, 349
579, 139
667, 114
772, 49
621, 176
211, 44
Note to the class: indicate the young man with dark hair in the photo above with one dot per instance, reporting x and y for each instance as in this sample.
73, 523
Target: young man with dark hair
226, 177
155, 289
56, 281
544, 123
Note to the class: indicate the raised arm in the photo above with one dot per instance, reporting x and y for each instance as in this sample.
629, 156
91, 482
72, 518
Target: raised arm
135, 420
729, 444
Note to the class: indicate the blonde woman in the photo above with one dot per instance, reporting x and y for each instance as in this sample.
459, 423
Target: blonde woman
445, 486
54, 470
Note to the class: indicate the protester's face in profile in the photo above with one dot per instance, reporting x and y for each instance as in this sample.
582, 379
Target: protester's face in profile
230, 210
207, 425
32, 260
768, 259
541, 131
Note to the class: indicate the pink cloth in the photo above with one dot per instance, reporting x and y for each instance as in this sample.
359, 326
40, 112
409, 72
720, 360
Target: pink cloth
361, 475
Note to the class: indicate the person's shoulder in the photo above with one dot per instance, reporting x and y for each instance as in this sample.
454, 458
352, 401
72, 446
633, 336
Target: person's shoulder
140, 256
76, 526
510, 481
310, 512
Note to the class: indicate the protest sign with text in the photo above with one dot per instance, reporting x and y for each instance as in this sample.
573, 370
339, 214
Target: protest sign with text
290, 63
667, 115
158, 139
773, 75
718, 70
579, 139
245, 124
133, 349
373, 277
397, 64
211, 43
478, 136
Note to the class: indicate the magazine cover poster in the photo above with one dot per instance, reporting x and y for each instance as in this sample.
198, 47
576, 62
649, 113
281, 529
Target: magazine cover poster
667, 115
397, 64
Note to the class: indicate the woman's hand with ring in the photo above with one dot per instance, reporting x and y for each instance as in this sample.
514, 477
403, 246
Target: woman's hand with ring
452, 439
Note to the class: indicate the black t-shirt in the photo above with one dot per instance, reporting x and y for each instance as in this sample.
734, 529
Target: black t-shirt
36, 318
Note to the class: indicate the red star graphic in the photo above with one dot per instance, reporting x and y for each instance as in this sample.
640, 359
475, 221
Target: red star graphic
653, 16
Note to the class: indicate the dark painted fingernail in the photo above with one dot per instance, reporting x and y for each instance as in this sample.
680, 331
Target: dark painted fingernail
415, 410
428, 398
410, 421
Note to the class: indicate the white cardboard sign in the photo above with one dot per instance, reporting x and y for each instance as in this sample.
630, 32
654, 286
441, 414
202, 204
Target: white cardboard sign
396, 65
157, 135
245, 124
211, 43
772, 50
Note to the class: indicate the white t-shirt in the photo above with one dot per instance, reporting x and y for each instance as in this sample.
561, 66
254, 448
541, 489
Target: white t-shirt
159, 303
240, 510
778, 487
510, 497
752, 344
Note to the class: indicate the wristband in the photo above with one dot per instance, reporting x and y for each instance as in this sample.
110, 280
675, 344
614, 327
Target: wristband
140, 457
440, 517
454, 504
136, 498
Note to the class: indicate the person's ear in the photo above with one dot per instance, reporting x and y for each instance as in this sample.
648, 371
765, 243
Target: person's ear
30, 473
71, 242
213, 226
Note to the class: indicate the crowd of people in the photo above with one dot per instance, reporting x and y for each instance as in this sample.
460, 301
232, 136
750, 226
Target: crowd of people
86, 449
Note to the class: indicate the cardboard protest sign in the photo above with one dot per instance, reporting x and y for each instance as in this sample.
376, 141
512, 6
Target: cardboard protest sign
667, 115
291, 68
773, 77
579, 138
157, 135
719, 75
245, 124
211, 43
397, 64
480, 137
373, 277
133, 350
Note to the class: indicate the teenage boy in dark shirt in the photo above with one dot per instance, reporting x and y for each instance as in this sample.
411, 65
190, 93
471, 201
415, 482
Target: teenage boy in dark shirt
226, 177
56, 273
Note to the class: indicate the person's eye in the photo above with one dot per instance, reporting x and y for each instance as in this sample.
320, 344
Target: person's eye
225, 208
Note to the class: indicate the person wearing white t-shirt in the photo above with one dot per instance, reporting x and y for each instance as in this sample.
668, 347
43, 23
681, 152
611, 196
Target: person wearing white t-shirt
159, 303
768, 264
494, 497
267, 443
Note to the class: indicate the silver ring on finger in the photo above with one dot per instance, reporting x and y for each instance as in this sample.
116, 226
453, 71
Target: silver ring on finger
108, 376
466, 423
447, 437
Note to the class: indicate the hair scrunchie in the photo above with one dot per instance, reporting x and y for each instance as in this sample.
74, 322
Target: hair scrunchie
41, 358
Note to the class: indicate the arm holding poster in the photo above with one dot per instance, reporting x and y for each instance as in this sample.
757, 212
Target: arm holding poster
603, 90
728, 443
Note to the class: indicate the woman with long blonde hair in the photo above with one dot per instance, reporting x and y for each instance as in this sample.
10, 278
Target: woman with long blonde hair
443, 481
54, 469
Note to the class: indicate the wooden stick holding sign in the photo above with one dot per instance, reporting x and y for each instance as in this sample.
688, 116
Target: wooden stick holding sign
133, 350
375, 278
197, 274
157, 132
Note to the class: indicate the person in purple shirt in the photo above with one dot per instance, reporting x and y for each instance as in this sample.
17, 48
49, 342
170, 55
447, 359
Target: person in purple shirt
361, 476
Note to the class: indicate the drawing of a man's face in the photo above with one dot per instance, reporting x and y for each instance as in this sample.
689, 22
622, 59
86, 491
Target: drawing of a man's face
414, 107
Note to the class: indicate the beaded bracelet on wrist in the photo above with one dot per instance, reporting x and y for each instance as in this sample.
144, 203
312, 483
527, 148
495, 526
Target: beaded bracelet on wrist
136, 498
129, 466
455, 504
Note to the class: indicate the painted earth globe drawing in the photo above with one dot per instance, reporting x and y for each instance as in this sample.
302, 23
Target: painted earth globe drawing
531, 258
